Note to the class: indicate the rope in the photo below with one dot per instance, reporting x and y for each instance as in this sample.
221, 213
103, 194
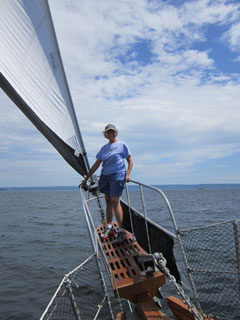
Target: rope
100, 206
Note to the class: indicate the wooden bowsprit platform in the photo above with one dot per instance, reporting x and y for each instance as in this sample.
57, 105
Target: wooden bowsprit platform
129, 281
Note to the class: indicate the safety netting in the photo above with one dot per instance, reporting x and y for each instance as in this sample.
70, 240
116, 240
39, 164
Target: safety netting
213, 258
81, 295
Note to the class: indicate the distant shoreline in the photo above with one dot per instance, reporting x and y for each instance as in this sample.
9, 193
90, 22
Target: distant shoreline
215, 186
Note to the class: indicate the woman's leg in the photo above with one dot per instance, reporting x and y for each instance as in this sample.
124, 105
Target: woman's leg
119, 216
109, 209
117, 209
109, 230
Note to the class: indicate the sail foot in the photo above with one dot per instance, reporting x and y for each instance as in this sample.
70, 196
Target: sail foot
64, 149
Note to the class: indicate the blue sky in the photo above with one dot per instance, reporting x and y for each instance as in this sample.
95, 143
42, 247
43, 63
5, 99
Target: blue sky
167, 75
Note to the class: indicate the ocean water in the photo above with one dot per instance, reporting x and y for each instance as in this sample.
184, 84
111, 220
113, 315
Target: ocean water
43, 236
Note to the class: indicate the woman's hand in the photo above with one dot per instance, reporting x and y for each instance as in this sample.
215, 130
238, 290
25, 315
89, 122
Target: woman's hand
91, 171
82, 184
127, 178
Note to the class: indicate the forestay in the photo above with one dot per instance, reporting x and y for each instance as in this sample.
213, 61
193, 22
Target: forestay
32, 75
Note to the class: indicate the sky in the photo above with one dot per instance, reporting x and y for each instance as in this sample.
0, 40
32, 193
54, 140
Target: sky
166, 73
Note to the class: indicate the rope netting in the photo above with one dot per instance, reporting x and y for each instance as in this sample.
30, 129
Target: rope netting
81, 295
214, 262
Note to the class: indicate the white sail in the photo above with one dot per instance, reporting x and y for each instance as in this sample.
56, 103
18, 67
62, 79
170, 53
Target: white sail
30, 62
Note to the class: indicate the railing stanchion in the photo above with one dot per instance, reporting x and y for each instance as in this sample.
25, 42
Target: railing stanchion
236, 235
130, 213
145, 215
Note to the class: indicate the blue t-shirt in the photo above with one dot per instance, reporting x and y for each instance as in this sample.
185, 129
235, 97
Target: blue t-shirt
112, 156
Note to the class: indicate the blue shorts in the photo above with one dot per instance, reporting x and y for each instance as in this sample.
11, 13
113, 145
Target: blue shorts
111, 187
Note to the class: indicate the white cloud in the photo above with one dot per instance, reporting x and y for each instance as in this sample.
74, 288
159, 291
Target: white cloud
237, 59
232, 36
209, 12
97, 31
196, 58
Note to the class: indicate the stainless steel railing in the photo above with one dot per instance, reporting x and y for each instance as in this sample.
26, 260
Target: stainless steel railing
94, 237
176, 235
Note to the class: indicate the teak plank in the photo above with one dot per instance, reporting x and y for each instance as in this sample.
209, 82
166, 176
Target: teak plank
128, 279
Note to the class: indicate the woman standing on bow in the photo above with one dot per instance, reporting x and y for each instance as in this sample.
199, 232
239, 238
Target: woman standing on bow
113, 178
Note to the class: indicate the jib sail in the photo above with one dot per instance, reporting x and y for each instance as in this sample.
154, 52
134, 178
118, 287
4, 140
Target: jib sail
32, 75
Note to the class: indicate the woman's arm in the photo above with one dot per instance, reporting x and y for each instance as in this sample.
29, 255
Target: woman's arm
130, 166
91, 172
